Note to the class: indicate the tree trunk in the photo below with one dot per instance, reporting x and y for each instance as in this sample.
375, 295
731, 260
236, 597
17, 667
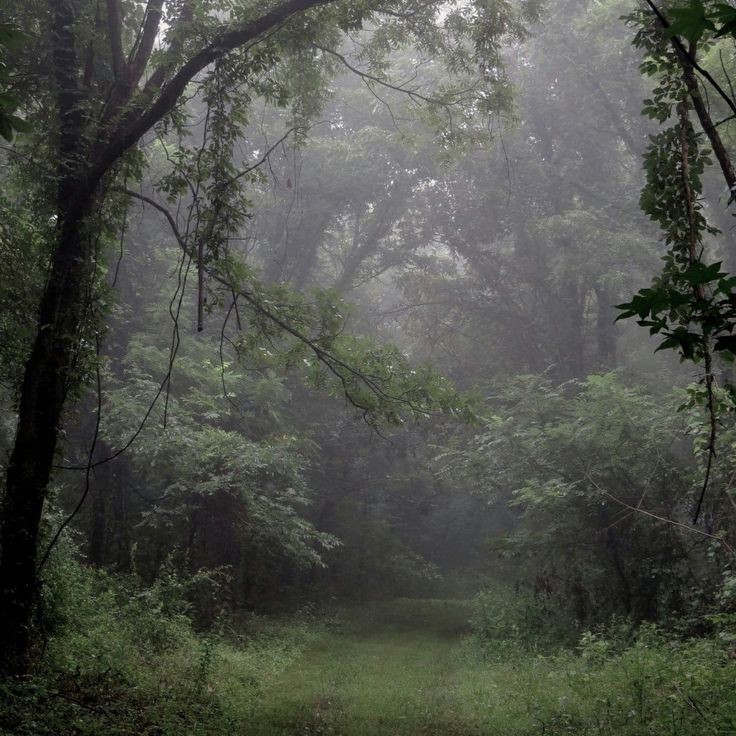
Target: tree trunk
45, 384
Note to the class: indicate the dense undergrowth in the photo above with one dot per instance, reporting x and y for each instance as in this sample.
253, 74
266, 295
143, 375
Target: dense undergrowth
122, 660
620, 679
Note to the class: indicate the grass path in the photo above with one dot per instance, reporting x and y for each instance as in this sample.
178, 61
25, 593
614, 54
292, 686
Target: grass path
371, 683
381, 675
406, 669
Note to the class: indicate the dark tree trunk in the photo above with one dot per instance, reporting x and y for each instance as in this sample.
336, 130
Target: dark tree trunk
48, 373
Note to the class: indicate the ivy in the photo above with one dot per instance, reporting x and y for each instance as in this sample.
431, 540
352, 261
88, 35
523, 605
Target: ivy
694, 19
691, 302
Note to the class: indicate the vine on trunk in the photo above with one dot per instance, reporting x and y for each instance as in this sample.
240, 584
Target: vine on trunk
692, 302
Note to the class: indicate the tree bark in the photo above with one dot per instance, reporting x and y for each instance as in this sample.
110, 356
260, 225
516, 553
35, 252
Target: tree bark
43, 394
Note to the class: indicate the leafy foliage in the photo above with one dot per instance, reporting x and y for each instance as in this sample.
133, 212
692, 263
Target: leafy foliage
585, 467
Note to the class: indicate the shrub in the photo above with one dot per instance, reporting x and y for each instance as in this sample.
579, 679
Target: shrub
505, 620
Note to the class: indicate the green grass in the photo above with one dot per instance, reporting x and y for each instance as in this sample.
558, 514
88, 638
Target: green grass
399, 668
364, 684
376, 675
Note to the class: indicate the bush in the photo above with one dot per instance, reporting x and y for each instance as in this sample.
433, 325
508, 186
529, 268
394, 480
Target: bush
122, 660
505, 621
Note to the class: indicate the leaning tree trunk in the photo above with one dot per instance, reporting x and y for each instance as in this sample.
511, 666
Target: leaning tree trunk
46, 380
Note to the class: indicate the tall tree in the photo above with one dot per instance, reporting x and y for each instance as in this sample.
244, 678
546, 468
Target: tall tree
116, 74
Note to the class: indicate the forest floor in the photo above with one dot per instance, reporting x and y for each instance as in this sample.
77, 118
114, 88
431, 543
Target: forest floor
398, 668
410, 668
377, 677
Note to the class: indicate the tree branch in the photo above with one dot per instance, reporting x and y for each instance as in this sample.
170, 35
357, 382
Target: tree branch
141, 119
664, 519
709, 127
338, 367
114, 30
413, 94
141, 53
689, 59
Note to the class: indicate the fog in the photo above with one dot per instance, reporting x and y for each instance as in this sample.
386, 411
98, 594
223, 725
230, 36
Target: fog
337, 367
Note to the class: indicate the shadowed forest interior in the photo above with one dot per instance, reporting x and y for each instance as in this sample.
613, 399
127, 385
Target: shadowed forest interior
366, 368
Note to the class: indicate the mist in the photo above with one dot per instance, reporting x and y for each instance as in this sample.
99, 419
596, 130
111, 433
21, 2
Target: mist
366, 368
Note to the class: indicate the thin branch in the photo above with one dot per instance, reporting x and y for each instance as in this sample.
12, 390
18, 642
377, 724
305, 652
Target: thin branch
726, 74
265, 156
223, 337
413, 94
328, 359
663, 519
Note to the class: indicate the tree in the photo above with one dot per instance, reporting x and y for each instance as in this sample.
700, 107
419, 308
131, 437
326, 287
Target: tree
117, 74
598, 494
690, 304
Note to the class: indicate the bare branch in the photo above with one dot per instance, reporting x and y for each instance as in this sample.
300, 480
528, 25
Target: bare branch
412, 93
663, 519
265, 156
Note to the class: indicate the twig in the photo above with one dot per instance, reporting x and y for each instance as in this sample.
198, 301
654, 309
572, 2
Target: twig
663, 519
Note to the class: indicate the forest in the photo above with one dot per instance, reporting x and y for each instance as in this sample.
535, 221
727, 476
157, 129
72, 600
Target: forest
367, 368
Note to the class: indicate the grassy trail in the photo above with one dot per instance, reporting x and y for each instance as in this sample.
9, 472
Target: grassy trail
377, 677
402, 668
372, 683
407, 670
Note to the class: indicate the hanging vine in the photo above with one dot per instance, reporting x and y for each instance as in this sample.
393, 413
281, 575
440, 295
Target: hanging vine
691, 304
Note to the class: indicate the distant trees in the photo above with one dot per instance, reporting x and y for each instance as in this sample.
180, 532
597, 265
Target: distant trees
542, 229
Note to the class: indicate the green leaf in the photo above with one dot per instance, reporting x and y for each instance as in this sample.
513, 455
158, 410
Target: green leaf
690, 22
728, 28
698, 273
8, 101
726, 342
22, 126
11, 37
725, 14
6, 129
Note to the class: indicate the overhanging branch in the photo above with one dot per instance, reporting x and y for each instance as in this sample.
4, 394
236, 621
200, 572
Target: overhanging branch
338, 367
